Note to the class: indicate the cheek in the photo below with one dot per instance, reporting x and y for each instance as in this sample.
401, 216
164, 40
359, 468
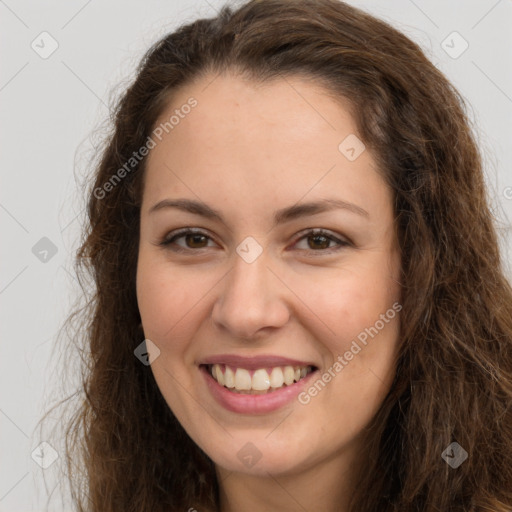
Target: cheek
362, 350
168, 301
346, 301
368, 342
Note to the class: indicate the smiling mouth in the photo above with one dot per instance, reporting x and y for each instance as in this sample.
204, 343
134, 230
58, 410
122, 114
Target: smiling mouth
257, 382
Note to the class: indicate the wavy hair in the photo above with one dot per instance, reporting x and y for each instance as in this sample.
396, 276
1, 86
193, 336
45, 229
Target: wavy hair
126, 451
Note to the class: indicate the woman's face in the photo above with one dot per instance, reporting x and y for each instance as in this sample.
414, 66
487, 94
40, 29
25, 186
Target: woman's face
257, 296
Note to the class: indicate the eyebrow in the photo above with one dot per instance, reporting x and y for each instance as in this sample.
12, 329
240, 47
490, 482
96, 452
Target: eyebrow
280, 216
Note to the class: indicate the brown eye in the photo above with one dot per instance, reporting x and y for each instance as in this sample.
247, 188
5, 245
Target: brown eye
193, 240
321, 241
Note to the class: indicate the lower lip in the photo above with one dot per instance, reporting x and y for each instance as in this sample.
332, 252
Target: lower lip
254, 404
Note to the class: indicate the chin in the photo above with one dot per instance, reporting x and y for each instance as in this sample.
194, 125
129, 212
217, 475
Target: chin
258, 456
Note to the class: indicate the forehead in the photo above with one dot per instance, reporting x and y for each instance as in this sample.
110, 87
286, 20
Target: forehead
293, 109
278, 139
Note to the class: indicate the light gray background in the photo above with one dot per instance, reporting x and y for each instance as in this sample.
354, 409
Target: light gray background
49, 108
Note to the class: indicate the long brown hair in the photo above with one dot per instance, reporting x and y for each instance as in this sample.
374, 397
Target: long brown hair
125, 449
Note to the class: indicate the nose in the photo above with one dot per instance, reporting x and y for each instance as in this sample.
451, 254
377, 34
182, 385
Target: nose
251, 300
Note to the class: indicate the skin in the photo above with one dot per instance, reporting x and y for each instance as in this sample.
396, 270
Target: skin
248, 150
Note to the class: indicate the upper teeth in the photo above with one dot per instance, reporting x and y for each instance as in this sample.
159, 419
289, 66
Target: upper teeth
240, 379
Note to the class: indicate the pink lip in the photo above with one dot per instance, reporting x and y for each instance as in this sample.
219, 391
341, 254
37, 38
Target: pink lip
254, 404
253, 363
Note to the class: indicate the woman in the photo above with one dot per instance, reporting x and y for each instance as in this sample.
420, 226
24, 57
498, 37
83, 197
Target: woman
299, 301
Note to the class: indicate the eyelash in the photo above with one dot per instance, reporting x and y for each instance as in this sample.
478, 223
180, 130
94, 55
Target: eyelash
305, 234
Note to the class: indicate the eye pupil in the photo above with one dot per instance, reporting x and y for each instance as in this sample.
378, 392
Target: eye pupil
324, 245
196, 238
